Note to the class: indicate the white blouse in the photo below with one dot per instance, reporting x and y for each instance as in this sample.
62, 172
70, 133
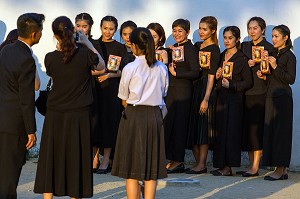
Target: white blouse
144, 85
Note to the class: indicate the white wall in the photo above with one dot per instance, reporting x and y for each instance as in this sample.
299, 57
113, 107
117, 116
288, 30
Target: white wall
233, 12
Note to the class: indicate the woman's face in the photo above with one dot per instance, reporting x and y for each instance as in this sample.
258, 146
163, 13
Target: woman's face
179, 34
229, 40
155, 36
255, 31
125, 35
204, 31
278, 39
82, 25
108, 30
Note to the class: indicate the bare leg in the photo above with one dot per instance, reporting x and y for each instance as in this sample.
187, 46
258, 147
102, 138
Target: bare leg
132, 189
105, 161
174, 164
203, 150
150, 189
251, 159
96, 157
256, 160
48, 195
279, 171
196, 152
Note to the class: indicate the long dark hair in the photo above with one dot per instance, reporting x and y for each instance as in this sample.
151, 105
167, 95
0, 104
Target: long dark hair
235, 32
63, 28
212, 23
87, 17
143, 39
285, 31
160, 31
12, 37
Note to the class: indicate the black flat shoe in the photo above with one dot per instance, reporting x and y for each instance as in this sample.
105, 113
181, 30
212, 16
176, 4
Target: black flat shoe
219, 173
104, 171
240, 172
245, 174
178, 169
269, 178
191, 171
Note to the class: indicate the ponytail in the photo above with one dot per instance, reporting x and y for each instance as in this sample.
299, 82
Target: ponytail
285, 31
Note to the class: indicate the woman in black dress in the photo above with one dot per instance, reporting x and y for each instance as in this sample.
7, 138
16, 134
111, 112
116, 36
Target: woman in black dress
140, 151
254, 107
158, 33
232, 82
65, 159
203, 104
109, 105
278, 129
182, 72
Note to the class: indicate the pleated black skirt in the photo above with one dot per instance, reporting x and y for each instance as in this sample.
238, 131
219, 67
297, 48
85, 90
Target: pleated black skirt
277, 141
140, 148
254, 120
65, 158
201, 126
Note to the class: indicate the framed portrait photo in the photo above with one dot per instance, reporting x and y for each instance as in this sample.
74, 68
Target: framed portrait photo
204, 59
113, 63
257, 52
161, 55
264, 64
178, 54
227, 70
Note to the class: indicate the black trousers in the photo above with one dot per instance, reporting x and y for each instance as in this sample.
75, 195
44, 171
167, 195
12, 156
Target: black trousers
12, 153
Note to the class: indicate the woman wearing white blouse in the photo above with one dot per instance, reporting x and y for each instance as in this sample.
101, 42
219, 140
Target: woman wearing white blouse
140, 150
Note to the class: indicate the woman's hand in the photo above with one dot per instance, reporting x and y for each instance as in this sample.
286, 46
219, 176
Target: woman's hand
219, 73
104, 77
172, 67
251, 63
82, 38
260, 75
272, 62
225, 83
203, 106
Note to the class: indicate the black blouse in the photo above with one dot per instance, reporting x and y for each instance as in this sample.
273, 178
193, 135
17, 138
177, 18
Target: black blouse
259, 86
214, 60
240, 76
284, 75
187, 70
72, 82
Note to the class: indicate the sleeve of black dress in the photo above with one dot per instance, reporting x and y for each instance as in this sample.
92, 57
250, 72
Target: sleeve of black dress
288, 75
192, 60
214, 61
246, 80
92, 58
47, 65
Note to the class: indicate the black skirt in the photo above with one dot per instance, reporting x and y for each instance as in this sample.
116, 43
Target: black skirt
65, 158
254, 120
201, 126
277, 141
140, 148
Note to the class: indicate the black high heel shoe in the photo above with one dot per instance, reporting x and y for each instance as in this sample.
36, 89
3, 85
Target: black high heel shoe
178, 169
104, 171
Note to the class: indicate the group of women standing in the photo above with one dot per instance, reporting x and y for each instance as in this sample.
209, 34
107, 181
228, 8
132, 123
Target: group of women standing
245, 109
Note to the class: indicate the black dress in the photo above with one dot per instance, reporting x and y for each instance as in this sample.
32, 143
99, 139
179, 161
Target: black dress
109, 105
65, 158
229, 113
201, 130
254, 107
178, 101
277, 143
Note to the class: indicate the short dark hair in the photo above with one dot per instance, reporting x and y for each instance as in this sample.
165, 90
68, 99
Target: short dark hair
111, 19
285, 31
160, 31
261, 23
143, 39
28, 23
235, 32
126, 24
183, 23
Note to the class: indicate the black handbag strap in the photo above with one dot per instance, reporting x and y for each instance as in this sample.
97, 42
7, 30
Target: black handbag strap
49, 85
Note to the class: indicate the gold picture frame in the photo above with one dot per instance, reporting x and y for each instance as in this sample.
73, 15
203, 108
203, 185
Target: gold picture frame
204, 59
113, 63
227, 70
